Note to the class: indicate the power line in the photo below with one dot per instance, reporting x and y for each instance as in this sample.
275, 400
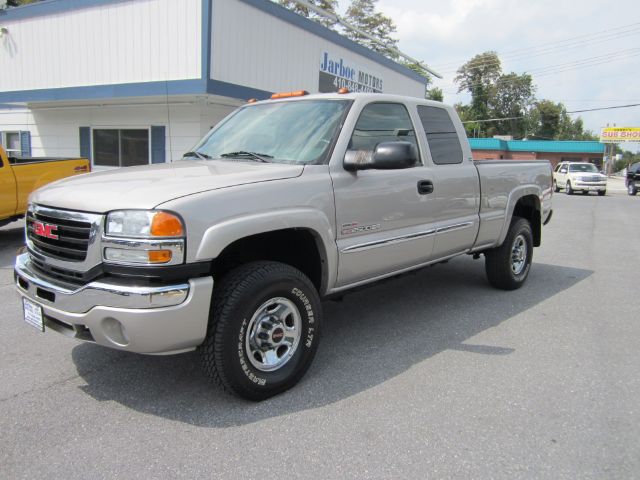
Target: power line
564, 67
571, 42
573, 111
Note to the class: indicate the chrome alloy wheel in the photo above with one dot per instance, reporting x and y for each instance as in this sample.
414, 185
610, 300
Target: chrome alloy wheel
518, 255
273, 334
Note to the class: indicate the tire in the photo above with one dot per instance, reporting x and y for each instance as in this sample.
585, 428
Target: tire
508, 265
556, 188
602, 193
585, 192
631, 189
263, 330
568, 190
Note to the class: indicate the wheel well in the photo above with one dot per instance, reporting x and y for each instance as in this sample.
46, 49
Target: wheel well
528, 207
296, 247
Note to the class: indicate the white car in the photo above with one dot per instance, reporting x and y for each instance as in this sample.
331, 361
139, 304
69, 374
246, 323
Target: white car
579, 176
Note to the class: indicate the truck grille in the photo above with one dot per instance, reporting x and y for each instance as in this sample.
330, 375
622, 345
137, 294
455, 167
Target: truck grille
60, 238
61, 274
593, 178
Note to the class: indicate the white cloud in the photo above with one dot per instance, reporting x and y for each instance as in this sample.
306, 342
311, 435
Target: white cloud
447, 33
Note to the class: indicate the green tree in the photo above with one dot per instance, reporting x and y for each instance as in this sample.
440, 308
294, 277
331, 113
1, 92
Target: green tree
435, 94
326, 5
467, 116
548, 120
478, 76
362, 15
511, 97
17, 3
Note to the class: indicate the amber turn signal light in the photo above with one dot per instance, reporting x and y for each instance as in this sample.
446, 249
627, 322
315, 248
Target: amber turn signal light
166, 225
159, 256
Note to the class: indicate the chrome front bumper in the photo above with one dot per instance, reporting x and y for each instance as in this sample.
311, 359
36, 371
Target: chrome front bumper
106, 293
144, 319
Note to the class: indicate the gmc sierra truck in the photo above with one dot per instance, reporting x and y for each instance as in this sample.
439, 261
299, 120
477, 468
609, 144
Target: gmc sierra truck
285, 202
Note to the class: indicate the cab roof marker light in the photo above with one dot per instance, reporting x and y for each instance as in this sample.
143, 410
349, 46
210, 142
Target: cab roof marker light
343, 90
252, 100
297, 93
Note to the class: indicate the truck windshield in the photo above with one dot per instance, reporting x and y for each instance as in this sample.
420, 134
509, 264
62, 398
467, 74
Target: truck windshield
280, 132
583, 167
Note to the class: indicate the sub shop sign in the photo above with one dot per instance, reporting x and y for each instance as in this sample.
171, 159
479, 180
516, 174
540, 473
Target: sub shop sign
337, 72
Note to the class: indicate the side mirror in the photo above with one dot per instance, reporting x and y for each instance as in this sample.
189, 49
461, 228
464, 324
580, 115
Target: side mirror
386, 156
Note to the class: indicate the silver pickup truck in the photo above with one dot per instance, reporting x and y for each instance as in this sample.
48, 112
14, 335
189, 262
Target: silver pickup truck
285, 202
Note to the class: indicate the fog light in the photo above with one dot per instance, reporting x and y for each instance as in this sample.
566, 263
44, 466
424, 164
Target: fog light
137, 256
115, 331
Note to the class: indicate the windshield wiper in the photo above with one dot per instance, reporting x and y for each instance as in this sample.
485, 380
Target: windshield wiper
201, 156
261, 157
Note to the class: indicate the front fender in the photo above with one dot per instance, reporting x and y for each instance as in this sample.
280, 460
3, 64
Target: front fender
217, 237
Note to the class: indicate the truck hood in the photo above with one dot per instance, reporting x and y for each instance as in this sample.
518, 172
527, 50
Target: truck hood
150, 185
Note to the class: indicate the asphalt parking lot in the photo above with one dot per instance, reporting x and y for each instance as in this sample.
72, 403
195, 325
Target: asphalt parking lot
432, 375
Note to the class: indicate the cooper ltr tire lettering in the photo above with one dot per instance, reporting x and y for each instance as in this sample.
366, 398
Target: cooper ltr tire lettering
264, 330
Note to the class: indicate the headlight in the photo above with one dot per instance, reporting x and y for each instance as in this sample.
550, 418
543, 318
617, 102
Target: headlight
143, 237
143, 224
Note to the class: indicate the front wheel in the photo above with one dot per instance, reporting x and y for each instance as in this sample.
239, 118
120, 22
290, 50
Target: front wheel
602, 193
264, 330
568, 190
631, 189
508, 265
556, 188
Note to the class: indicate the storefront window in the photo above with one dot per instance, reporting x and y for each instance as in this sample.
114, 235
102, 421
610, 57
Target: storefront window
11, 143
120, 147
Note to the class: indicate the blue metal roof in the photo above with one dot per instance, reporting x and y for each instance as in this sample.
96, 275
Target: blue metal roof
550, 146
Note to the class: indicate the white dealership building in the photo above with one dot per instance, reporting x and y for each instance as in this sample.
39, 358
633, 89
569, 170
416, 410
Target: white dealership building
129, 82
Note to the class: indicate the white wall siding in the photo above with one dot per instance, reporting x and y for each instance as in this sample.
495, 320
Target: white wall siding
121, 42
55, 131
255, 49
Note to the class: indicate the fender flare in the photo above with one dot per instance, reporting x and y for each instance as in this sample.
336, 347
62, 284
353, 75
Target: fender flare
514, 197
219, 236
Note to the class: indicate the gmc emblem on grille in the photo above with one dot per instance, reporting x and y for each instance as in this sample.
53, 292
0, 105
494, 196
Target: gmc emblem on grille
45, 230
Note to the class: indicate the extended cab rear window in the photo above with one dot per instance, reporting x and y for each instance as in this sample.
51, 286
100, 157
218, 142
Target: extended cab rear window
441, 135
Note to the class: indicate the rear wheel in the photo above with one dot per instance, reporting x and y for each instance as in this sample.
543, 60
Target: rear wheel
568, 190
508, 265
264, 330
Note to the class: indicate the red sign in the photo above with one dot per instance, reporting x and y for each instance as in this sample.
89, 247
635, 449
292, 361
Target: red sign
45, 230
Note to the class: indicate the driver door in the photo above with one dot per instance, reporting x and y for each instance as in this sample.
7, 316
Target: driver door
383, 217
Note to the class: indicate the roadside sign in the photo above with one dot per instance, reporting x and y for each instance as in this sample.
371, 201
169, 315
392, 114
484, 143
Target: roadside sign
619, 134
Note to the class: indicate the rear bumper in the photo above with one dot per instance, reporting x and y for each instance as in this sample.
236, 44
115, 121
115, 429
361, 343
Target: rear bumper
144, 319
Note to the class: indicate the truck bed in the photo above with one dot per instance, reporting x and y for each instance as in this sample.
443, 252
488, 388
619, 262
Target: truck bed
500, 176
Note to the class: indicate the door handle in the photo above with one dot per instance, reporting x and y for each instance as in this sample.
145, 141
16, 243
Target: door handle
425, 187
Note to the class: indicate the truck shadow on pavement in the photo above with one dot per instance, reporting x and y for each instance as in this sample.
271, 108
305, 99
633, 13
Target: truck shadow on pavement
372, 336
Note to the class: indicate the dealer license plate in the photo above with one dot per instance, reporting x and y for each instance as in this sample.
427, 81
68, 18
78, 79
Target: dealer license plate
33, 314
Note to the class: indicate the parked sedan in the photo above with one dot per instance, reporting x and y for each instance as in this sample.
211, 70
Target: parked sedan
579, 176
633, 179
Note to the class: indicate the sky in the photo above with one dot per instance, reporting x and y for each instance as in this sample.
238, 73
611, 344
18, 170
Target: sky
585, 54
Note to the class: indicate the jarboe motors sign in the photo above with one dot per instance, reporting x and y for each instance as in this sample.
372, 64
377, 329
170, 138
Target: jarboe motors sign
337, 72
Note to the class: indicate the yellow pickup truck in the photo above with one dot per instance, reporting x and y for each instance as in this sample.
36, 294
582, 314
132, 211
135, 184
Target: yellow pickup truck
21, 176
